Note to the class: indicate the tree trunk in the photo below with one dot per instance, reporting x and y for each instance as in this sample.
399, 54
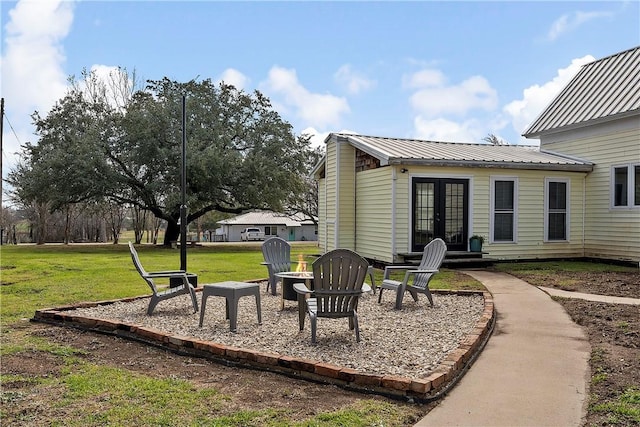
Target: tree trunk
67, 225
172, 233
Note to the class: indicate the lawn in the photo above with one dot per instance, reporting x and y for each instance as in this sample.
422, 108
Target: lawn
72, 387
35, 277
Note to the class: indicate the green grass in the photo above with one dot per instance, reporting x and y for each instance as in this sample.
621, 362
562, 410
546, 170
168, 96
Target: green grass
36, 277
625, 409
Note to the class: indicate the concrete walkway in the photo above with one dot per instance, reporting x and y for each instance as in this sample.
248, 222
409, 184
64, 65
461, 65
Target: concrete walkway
590, 297
532, 372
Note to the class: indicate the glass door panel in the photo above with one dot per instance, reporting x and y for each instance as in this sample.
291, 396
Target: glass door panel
440, 210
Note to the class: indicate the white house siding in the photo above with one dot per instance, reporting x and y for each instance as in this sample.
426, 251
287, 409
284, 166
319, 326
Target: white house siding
373, 214
610, 233
345, 215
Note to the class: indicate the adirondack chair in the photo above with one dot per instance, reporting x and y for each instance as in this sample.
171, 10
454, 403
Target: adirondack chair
277, 258
432, 258
338, 278
158, 295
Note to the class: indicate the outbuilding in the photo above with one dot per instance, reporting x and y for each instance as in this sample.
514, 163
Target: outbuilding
575, 195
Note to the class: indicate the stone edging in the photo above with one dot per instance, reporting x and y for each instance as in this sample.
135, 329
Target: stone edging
432, 387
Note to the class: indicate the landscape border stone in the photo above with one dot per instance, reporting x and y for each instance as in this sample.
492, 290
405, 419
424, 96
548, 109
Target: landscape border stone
432, 387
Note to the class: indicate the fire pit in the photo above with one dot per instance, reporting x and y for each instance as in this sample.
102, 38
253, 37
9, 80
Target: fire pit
288, 279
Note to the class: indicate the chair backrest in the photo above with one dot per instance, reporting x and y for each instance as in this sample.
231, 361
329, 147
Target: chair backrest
140, 268
277, 251
338, 276
432, 258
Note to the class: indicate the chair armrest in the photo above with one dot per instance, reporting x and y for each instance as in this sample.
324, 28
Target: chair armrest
167, 272
265, 263
422, 271
388, 269
410, 272
301, 288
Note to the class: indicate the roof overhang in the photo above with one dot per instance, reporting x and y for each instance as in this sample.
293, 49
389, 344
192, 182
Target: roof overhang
588, 123
586, 167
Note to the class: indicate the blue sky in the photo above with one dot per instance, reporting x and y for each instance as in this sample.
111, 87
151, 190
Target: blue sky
446, 71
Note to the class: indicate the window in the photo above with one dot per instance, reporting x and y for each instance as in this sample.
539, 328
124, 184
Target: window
556, 207
636, 185
625, 182
271, 230
503, 209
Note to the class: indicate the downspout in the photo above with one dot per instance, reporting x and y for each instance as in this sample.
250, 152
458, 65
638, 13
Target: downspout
336, 221
355, 212
584, 214
394, 178
326, 210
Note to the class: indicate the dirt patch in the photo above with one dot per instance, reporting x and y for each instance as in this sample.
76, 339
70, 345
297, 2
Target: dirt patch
613, 330
247, 389
619, 284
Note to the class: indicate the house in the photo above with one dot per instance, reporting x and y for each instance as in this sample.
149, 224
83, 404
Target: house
273, 224
388, 197
597, 117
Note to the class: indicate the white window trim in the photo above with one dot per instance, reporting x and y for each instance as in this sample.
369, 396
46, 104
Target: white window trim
546, 209
631, 182
492, 192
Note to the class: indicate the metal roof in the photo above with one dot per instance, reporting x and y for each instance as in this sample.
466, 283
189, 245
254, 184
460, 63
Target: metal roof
606, 89
265, 217
417, 152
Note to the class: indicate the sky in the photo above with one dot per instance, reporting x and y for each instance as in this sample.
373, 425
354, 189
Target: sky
442, 71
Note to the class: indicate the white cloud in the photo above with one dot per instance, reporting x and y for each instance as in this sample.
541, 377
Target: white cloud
444, 130
434, 98
535, 98
427, 77
570, 22
231, 76
33, 77
32, 72
353, 81
317, 138
314, 109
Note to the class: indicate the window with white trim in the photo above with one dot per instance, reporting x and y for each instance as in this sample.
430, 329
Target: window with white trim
556, 209
503, 199
625, 186
271, 230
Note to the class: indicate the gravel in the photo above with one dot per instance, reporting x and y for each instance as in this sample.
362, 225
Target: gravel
410, 342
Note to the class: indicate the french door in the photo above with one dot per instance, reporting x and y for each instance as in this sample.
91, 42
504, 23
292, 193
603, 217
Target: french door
439, 210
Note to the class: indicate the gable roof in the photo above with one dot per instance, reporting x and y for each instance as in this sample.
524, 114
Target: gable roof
431, 153
265, 218
603, 90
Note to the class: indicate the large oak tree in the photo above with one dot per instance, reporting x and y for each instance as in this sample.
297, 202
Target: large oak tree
240, 153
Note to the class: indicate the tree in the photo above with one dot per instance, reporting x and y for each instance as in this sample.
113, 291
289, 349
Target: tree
241, 155
494, 140
65, 166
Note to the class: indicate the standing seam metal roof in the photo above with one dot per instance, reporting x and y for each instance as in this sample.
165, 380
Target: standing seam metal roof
403, 151
604, 89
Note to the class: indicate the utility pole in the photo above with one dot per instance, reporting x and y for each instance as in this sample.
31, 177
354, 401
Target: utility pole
1, 170
183, 190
